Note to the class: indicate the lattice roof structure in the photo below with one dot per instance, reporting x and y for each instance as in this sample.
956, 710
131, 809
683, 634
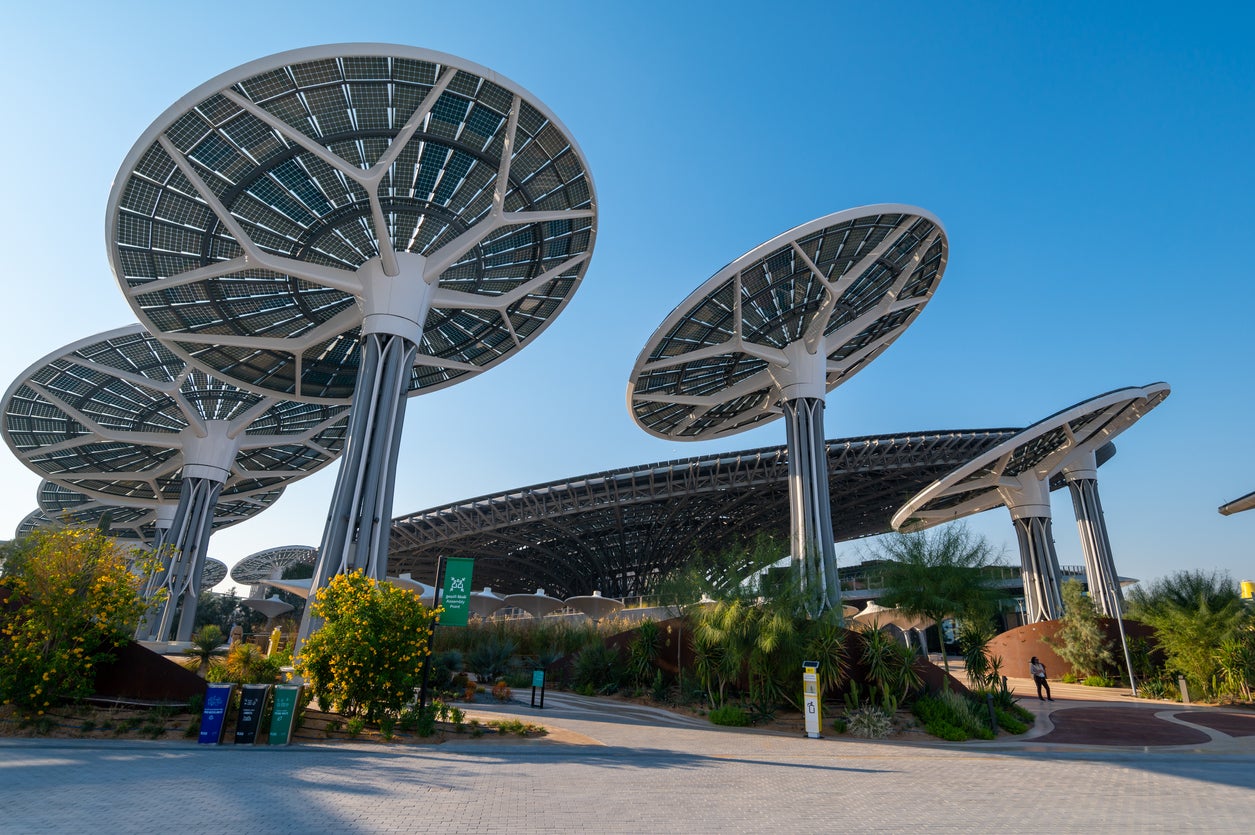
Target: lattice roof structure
842, 287
618, 531
118, 416
253, 215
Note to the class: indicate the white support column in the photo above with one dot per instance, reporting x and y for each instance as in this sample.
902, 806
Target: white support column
802, 383
1081, 475
359, 521
1028, 499
208, 455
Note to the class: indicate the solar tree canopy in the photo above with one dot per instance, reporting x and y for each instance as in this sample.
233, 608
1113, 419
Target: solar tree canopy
263, 565
137, 519
1034, 455
272, 213
1246, 502
119, 418
215, 572
796, 316
620, 531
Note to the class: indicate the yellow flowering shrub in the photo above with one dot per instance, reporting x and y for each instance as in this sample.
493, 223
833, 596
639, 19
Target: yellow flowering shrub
69, 599
367, 658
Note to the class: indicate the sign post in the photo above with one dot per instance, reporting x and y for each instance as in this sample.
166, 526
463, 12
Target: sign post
538, 680
456, 599
456, 602
213, 716
252, 706
284, 714
810, 698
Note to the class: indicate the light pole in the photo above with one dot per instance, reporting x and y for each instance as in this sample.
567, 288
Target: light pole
1124, 643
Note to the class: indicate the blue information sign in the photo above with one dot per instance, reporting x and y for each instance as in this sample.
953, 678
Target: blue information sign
213, 717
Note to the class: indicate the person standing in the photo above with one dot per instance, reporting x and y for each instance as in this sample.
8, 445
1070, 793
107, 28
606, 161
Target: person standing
1038, 671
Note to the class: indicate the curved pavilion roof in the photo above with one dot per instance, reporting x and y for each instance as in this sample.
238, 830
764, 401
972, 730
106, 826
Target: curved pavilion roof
244, 224
117, 416
617, 531
842, 288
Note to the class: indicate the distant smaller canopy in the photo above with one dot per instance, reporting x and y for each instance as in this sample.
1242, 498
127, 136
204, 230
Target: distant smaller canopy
595, 606
271, 607
484, 603
301, 588
877, 617
537, 605
426, 593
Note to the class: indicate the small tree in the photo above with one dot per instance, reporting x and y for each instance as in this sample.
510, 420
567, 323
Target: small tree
67, 600
205, 647
1081, 641
367, 657
939, 574
1193, 613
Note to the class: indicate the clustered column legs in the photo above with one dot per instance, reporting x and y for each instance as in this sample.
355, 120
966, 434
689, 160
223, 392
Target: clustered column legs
810, 510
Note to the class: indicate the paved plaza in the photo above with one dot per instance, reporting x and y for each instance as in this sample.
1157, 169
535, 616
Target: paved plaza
634, 770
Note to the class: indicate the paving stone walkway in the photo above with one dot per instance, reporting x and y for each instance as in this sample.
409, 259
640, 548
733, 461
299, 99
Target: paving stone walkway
642, 771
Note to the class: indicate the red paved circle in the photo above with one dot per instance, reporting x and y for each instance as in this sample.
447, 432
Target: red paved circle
1232, 724
1118, 726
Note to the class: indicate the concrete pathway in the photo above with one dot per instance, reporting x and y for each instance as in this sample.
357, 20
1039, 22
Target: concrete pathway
617, 768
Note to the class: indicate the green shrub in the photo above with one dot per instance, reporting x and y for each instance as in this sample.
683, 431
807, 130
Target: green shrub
869, 722
942, 729
354, 726
598, 667
1069, 678
79, 600
1100, 681
1009, 723
658, 690
368, 655
839, 725
948, 712
643, 651
491, 659
730, 715
1154, 688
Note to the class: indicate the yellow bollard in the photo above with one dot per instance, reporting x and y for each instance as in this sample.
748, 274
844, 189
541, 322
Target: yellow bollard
275, 637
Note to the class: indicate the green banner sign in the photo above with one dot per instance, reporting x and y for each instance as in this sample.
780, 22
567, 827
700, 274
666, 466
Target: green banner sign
456, 596
286, 696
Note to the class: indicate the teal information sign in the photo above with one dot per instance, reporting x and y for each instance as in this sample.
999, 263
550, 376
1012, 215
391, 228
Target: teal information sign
286, 696
455, 598
538, 678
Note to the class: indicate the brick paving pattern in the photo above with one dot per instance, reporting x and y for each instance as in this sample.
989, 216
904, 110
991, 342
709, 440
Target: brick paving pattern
646, 774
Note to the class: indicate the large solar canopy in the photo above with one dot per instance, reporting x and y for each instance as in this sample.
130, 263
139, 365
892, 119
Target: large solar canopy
254, 214
117, 417
619, 531
843, 286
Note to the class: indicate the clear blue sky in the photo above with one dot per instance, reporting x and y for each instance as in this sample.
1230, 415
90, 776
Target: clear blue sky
1092, 164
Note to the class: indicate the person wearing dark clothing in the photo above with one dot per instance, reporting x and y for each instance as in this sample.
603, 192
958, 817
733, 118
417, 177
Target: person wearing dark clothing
1038, 671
